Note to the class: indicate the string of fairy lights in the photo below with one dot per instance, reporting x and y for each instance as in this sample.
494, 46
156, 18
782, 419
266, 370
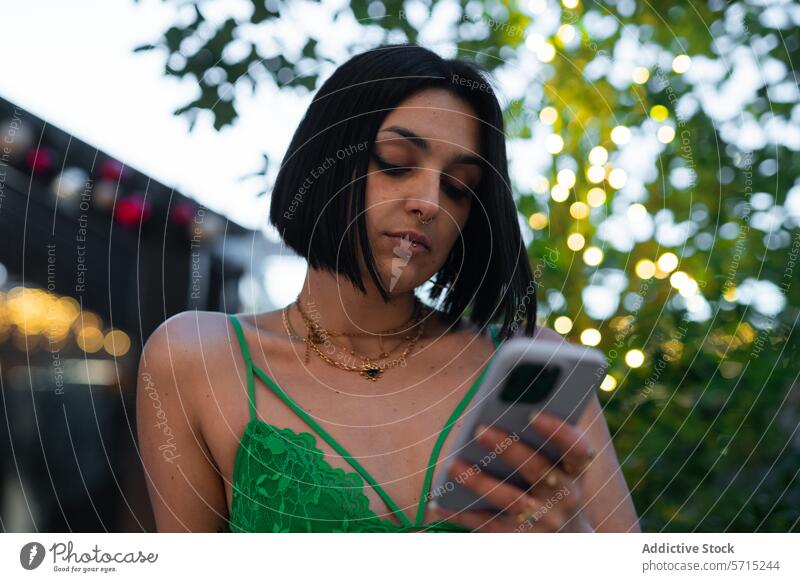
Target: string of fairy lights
602, 179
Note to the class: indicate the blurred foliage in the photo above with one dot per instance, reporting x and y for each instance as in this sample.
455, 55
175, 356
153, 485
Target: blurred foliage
706, 428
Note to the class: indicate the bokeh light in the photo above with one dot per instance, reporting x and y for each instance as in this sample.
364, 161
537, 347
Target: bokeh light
634, 358
579, 210
566, 33
554, 143
576, 241
566, 178
541, 184
90, 339
546, 52
596, 174
659, 113
537, 220
681, 64
665, 134
596, 197
668, 262
636, 212
640, 75
645, 269
617, 178
562, 324
590, 337
598, 156
608, 384
559, 192
620, 135
117, 343
593, 256
548, 115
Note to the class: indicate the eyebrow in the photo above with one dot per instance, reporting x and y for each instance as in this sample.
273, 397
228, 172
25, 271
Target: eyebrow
422, 144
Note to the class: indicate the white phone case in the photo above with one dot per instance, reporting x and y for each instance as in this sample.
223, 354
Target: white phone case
579, 371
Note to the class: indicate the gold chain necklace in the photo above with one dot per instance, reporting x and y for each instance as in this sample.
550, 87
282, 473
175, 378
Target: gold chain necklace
382, 355
318, 336
368, 369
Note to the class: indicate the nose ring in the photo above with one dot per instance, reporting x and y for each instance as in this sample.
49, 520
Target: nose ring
420, 217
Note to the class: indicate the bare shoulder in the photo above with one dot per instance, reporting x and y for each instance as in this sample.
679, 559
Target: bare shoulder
184, 330
181, 339
177, 370
186, 351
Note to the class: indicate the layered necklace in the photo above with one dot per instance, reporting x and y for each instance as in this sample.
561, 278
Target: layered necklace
369, 368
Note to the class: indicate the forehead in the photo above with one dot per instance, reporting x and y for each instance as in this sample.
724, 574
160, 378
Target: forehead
445, 120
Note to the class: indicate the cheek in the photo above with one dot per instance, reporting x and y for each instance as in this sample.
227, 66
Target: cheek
379, 186
458, 215
456, 221
376, 195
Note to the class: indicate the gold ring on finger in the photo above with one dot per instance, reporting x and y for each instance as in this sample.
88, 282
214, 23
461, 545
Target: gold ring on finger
590, 455
572, 470
529, 513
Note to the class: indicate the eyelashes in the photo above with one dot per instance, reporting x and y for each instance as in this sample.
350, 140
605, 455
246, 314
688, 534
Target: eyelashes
393, 170
388, 168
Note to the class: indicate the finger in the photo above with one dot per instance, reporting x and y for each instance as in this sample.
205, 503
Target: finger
535, 521
576, 451
504, 496
477, 521
535, 467
550, 515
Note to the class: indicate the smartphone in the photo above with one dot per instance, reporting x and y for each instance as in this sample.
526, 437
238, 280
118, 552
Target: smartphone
524, 376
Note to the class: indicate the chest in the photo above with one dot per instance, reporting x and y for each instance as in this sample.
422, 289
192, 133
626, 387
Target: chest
389, 427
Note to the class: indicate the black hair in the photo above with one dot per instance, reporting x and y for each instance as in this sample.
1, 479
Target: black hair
488, 271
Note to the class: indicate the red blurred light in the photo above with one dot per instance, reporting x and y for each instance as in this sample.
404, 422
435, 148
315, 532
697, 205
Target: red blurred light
132, 210
40, 160
111, 169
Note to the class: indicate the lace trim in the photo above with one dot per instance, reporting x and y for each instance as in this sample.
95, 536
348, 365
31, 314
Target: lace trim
282, 483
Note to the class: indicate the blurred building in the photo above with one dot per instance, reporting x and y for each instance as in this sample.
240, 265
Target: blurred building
93, 257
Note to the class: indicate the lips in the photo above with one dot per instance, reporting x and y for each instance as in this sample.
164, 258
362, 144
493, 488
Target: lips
414, 237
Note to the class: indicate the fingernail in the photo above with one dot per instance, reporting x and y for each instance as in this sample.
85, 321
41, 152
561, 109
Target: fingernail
482, 428
456, 467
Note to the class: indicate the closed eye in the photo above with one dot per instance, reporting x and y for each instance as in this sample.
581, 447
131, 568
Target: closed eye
388, 168
455, 191
395, 170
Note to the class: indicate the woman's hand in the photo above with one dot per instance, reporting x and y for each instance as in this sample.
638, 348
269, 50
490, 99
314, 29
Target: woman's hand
553, 500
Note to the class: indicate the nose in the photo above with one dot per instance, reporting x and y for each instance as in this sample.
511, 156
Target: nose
422, 199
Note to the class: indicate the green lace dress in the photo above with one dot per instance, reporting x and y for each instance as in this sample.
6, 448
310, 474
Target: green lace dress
282, 483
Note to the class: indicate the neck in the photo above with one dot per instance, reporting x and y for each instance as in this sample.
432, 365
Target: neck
334, 303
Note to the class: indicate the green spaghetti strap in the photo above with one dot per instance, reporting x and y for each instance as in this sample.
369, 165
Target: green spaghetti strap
333, 443
251, 395
426, 485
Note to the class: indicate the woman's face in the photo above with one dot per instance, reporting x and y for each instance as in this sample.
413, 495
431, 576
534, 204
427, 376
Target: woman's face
425, 166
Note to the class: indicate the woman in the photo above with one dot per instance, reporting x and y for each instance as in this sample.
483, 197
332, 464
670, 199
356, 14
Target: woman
334, 413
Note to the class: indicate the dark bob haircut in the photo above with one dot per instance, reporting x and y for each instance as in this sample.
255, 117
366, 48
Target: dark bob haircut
488, 272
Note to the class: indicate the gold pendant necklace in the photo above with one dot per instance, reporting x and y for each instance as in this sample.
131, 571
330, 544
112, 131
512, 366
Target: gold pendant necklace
368, 369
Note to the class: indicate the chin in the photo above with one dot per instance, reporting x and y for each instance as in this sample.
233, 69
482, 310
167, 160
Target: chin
399, 278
